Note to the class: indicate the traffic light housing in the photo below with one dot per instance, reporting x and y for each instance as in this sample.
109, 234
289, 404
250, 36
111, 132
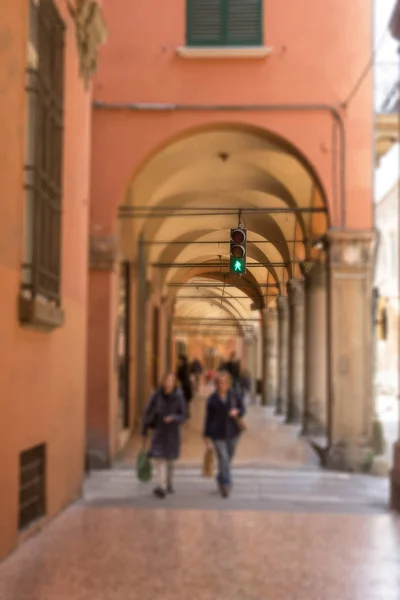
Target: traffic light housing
237, 260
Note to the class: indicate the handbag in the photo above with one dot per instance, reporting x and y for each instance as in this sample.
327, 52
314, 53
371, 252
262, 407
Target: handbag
208, 463
240, 422
144, 468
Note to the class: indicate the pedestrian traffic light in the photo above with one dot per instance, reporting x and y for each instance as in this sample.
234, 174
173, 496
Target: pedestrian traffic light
238, 251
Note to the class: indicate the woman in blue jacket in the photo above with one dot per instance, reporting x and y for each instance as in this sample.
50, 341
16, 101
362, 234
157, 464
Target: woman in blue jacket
221, 428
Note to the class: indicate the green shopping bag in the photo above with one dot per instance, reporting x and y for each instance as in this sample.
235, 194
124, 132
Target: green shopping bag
144, 468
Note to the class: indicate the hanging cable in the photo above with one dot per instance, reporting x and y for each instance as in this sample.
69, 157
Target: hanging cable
366, 69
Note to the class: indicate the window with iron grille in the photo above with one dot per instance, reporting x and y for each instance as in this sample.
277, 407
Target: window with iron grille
224, 23
32, 485
44, 152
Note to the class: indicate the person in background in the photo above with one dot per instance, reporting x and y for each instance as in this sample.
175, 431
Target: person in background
221, 429
183, 375
164, 414
196, 369
233, 368
245, 385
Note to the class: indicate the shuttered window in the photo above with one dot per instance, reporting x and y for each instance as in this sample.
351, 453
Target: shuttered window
224, 23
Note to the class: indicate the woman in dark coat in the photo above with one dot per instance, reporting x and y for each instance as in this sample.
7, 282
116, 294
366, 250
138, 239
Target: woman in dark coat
164, 414
183, 375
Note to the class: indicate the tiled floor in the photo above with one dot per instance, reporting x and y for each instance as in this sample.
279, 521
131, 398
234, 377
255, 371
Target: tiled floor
289, 532
128, 554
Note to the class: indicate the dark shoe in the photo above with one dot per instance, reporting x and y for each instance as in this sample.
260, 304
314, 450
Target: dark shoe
159, 493
170, 489
224, 491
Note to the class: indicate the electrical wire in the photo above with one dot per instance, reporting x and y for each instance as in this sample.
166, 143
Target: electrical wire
367, 68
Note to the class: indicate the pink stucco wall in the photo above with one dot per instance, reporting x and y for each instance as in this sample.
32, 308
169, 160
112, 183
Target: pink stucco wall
42, 375
317, 59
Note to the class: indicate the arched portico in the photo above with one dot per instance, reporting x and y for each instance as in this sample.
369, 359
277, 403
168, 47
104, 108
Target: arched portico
174, 230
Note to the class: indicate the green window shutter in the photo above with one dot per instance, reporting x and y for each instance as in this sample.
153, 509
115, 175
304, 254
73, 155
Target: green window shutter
205, 22
224, 22
244, 23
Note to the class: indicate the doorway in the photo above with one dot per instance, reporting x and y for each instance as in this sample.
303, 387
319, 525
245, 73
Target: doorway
123, 345
156, 346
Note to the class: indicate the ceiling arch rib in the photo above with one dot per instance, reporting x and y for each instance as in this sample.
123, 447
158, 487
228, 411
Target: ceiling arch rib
214, 241
240, 305
214, 310
237, 168
233, 141
262, 224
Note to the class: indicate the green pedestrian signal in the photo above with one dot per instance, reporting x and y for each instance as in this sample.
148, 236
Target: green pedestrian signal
238, 251
237, 265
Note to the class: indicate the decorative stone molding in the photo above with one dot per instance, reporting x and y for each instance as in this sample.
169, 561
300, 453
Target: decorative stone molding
224, 52
91, 33
351, 249
102, 252
295, 289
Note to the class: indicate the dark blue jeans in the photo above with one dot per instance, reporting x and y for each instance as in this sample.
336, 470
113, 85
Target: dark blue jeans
225, 451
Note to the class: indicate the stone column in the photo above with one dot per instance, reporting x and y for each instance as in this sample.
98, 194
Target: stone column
251, 360
283, 354
295, 289
351, 255
270, 356
102, 420
316, 351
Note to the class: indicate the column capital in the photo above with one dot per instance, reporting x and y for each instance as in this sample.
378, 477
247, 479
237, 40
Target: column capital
103, 252
270, 311
295, 288
282, 306
314, 273
351, 249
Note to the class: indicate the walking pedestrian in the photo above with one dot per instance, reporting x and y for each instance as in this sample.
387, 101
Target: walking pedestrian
233, 368
183, 375
222, 428
164, 414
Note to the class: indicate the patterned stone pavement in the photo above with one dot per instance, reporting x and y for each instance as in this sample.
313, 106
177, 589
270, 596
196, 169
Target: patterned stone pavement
266, 443
289, 532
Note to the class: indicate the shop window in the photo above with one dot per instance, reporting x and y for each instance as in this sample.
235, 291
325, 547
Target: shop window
41, 277
32, 485
224, 23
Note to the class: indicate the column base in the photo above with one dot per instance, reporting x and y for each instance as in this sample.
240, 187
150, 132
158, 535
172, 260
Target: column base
395, 480
97, 452
293, 415
279, 407
349, 458
312, 426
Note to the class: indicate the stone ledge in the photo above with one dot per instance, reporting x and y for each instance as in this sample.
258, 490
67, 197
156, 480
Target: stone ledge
39, 313
252, 52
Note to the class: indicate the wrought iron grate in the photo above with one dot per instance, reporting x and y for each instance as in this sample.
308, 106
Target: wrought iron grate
32, 485
44, 156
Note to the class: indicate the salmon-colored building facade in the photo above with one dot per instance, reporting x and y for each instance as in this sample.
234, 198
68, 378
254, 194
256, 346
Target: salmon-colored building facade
44, 213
